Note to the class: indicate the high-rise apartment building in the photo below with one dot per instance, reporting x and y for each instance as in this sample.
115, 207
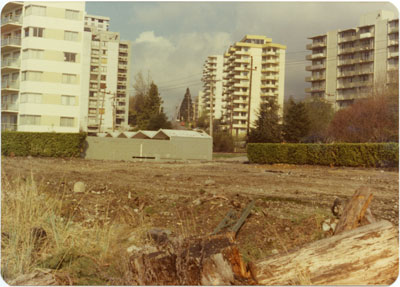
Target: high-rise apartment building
106, 74
41, 66
347, 64
212, 79
254, 71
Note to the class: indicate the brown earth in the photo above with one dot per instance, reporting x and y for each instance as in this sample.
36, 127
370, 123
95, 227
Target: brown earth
191, 198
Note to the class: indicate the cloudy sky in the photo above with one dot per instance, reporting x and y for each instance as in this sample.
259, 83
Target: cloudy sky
171, 40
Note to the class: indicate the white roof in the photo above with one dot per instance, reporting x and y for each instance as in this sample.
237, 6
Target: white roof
150, 134
114, 134
129, 134
184, 133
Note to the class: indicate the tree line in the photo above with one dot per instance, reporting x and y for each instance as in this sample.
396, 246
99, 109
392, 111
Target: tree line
371, 119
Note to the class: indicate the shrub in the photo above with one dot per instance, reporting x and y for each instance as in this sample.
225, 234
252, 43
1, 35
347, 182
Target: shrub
341, 154
42, 144
223, 142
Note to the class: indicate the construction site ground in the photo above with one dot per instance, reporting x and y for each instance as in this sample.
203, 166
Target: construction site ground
191, 198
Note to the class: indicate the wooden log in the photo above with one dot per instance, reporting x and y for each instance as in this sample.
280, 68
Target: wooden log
367, 255
355, 210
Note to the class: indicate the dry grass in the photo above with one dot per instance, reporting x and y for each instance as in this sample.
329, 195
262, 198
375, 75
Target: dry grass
35, 235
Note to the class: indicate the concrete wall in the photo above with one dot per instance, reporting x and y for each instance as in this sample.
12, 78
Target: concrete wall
179, 148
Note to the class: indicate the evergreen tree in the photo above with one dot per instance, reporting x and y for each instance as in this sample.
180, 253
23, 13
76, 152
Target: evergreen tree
296, 123
268, 127
151, 107
320, 113
186, 109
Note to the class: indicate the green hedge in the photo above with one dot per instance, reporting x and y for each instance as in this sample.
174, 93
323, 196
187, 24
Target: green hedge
42, 144
341, 154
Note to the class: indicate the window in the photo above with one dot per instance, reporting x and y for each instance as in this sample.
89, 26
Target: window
103, 77
30, 120
34, 32
72, 14
66, 122
31, 98
32, 54
70, 36
69, 57
31, 76
68, 100
35, 10
68, 78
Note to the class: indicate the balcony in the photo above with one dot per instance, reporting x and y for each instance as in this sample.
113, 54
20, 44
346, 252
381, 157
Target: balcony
9, 85
270, 69
347, 50
393, 67
267, 94
393, 29
124, 59
315, 56
315, 67
269, 61
269, 86
241, 85
8, 24
123, 50
8, 127
365, 47
366, 35
347, 39
315, 78
10, 64
315, 45
9, 107
347, 62
8, 44
393, 42
269, 53
346, 74
269, 77
394, 54
315, 89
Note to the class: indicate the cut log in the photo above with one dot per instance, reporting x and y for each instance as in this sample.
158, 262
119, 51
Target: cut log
355, 210
367, 255
212, 260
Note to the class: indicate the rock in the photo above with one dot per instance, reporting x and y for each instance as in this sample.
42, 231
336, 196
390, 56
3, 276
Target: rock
333, 226
209, 182
274, 251
287, 229
79, 187
326, 227
160, 236
133, 248
196, 201
202, 191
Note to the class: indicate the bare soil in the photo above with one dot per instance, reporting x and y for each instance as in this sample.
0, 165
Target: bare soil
191, 198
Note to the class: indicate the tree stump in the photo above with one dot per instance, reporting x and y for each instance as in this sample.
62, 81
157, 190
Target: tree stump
355, 210
211, 260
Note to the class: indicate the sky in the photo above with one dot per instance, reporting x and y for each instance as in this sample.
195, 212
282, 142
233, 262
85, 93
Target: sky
171, 40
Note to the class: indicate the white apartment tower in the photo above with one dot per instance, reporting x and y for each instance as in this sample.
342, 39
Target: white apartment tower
41, 64
106, 74
254, 71
347, 64
212, 78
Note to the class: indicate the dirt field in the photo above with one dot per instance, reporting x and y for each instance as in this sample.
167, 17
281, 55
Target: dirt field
192, 198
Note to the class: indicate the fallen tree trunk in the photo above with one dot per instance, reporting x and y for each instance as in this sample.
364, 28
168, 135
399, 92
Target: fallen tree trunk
367, 255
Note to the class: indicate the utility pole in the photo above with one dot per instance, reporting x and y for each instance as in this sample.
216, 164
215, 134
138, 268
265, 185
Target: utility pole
251, 78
